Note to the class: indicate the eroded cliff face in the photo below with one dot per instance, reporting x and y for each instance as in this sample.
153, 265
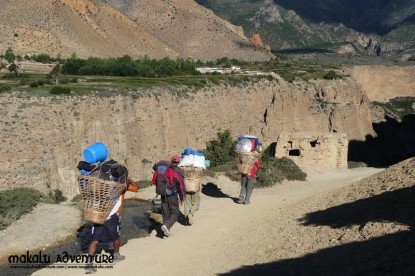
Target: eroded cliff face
381, 83
43, 137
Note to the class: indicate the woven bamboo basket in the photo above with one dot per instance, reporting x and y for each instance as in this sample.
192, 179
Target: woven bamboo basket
245, 161
192, 178
99, 197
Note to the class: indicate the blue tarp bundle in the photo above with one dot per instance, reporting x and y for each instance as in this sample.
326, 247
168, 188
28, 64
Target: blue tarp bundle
189, 151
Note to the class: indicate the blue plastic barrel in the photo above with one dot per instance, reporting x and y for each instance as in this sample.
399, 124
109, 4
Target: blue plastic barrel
97, 152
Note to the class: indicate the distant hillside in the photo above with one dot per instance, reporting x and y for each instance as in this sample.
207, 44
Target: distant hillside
113, 28
369, 27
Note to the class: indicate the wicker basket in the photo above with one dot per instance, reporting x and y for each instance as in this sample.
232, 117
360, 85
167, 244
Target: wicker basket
245, 161
192, 178
99, 197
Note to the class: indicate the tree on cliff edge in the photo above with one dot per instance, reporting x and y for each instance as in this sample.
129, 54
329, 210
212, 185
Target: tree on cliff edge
54, 74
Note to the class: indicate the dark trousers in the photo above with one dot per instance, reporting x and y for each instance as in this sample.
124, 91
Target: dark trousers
170, 210
247, 186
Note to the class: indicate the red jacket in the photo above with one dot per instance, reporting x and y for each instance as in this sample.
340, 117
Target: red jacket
174, 179
252, 173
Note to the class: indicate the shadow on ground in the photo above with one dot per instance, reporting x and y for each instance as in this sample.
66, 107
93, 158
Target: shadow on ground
212, 190
391, 254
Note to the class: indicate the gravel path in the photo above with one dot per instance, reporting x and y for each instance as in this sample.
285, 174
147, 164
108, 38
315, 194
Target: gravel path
229, 238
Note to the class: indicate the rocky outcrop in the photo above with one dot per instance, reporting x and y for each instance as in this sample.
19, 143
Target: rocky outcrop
43, 137
267, 47
256, 40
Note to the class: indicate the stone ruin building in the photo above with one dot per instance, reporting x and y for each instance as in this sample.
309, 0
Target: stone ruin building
327, 150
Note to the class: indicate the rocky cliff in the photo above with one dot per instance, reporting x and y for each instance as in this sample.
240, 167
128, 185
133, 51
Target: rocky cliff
43, 137
382, 83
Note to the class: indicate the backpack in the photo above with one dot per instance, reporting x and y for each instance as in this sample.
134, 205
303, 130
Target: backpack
111, 170
162, 180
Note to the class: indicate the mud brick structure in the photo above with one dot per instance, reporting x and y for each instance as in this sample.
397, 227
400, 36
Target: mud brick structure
327, 150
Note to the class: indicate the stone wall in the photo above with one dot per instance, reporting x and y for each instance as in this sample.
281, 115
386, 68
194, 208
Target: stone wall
328, 150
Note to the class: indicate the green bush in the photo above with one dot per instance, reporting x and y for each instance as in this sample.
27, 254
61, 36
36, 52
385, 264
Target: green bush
275, 170
17, 202
64, 81
56, 90
76, 198
228, 166
9, 55
398, 107
222, 150
331, 75
272, 171
143, 184
34, 84
268, 175
24, 81
4, 88
126, 66
288, 168
57, 196
233, 175
43, 58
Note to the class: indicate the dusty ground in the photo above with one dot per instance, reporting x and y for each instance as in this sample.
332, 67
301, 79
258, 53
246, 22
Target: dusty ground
332, 224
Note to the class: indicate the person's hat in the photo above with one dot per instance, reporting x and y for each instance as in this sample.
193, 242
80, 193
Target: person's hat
175, 159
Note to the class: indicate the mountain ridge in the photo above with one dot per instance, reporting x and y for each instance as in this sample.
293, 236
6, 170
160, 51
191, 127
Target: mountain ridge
372, 28
156, 29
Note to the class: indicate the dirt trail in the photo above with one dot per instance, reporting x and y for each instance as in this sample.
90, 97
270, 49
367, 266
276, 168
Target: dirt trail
229, 236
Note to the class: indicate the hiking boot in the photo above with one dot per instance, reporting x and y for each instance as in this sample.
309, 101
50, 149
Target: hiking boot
118, 257
190, 219
90, 269
165, 230
241, 200
169, 236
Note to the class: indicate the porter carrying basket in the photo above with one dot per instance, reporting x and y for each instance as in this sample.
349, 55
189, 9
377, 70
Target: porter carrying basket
245, 161
192, 178
99, 197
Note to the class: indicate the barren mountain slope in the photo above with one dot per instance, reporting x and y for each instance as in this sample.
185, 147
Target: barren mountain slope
66, 26
94, 28
191, 29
